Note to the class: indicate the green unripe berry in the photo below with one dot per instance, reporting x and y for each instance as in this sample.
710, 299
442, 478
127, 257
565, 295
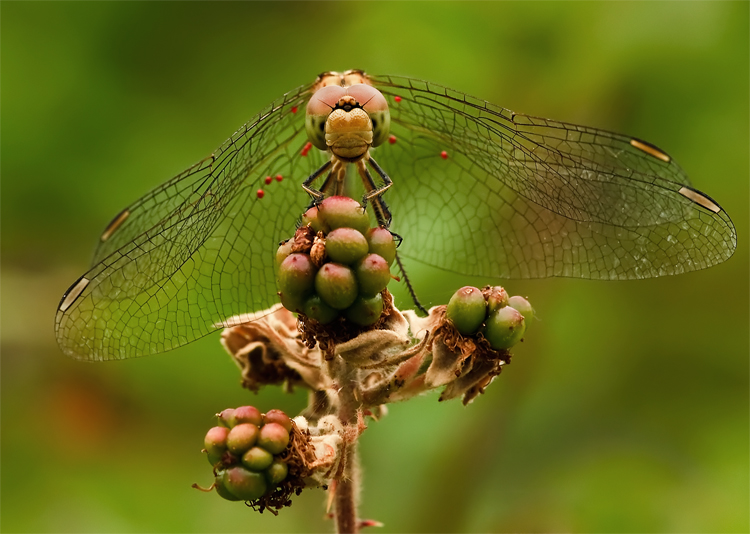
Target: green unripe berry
215, 443
380, 241
504, 328
248, 414
243, 484
316, 222
523, 306
365, 311
222, 490
336, 285
293, 302
273, 437
277, 416
226, 417
276, 473
284, 250
372, 274
296, 279
242, 437
344, 212
467, 310
316, 308
257, 459
346, 245
296, 274
496, 298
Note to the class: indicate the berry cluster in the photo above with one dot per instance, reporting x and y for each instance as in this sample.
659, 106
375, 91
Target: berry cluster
244, 451
341, 270
502, 320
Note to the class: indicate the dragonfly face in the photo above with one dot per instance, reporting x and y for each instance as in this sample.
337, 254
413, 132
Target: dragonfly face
516, 197
347, 120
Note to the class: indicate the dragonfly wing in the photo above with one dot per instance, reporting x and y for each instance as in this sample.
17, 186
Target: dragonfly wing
194, 251
523, 197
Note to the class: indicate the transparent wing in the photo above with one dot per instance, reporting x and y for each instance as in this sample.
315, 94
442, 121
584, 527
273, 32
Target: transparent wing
523, 197
196, 250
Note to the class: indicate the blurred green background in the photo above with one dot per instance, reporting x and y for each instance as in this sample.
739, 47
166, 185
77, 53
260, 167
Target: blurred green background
626, 409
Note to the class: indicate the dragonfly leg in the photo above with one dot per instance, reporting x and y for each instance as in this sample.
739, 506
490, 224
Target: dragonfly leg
373, 194
387, 182
317, 196
409, 287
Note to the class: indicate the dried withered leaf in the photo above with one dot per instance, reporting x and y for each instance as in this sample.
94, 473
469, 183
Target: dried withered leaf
268, 350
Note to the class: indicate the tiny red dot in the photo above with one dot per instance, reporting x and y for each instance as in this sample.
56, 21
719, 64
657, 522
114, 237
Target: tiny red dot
279, 177
294, 109
397, 98
392, 139
261, 193
303, 153
308, 145
268, 180
444, 154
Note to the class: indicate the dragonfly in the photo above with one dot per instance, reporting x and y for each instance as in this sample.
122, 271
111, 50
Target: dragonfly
473, 189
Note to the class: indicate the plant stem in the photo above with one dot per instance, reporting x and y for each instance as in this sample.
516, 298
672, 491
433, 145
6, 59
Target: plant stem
347, 488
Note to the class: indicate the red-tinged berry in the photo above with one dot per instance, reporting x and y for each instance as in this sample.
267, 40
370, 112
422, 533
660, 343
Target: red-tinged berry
277, 416
316, 222
222, 490
244, 484
444, 154
524, 307
261, 193
279, 177
248, 414
336, 285
296, 276
467, 310
496, 297
268, 180
364, 311
397, 98
276, 473
294, 109
392, 139
380, 242
273, 437
241, 438
346, 245
257, 459
344, 212
316, 308
372, 274
226, 417
284, 250
504, 328
215, 443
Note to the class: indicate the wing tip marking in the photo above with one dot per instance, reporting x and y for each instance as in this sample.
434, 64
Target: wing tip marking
650, 149
115, 224
73, 293
700, 199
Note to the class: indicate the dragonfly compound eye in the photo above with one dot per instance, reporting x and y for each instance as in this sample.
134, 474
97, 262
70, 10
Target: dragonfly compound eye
318, 109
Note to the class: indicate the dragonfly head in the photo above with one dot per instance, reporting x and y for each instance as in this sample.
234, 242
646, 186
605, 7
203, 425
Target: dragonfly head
347, 120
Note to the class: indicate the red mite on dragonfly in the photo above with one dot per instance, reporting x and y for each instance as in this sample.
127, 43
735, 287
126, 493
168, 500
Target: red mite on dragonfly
478, 190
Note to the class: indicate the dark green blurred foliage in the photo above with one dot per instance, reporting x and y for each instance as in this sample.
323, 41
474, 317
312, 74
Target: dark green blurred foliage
626, 409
